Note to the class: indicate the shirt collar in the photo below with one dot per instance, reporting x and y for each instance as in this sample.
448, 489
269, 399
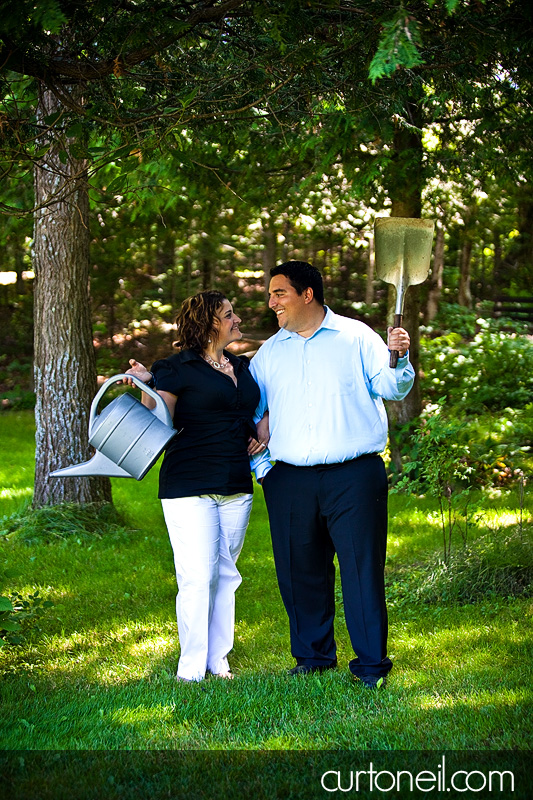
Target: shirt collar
188, 355
329, 321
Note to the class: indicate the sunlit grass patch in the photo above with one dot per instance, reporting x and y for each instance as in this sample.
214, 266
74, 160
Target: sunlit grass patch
17, 435
16, 494
100, 674
109, 657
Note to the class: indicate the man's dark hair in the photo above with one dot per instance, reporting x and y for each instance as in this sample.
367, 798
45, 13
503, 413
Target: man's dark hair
301, 276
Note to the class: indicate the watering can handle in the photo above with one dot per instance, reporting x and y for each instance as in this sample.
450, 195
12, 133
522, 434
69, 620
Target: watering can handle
160, 411
397, 323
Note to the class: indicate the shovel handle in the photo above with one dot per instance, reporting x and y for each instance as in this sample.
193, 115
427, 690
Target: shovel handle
398, 322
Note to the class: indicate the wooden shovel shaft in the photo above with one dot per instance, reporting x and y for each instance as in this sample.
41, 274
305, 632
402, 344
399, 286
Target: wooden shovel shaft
398, 322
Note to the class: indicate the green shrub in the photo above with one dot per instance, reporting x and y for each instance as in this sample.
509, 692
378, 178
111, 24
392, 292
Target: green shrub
494, 371
440, 467
454, 459
500, 445
466, 322
19, 615
453, 317
17, 399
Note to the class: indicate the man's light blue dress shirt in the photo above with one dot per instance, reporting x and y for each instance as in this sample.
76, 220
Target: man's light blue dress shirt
324, 393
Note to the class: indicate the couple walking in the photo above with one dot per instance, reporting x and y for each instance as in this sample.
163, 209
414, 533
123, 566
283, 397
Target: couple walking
315, 390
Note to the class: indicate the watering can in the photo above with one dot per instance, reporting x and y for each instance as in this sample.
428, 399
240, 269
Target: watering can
403, 251
128, 437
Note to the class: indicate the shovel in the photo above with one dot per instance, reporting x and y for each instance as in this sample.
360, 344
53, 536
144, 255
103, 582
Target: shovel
403, 251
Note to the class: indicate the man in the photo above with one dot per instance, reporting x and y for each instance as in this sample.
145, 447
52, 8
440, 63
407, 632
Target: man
322, 379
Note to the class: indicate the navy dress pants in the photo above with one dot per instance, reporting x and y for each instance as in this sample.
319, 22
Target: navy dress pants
314, 513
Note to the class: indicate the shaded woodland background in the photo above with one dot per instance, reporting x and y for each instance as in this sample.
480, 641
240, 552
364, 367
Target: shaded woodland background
156, 149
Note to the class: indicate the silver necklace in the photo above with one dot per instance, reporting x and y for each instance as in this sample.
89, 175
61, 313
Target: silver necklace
224, 361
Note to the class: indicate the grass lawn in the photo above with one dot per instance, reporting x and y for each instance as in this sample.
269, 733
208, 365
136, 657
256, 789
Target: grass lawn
99, 674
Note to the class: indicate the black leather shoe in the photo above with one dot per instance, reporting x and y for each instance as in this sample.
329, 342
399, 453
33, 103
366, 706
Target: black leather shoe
373, 681
307, 669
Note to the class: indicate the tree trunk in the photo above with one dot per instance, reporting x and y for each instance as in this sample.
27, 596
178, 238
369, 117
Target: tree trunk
369, 289
64, 363
525, 239
206, 271
517, 263
269, 251
498, 262
187, 264
435, 285
20, 286
464, 297
286, 241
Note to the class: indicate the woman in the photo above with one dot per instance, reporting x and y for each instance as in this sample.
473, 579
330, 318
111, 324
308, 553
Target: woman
205, 484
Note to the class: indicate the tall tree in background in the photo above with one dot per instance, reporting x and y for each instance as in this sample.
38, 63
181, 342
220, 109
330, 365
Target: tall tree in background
81, 61
64, 362
121, 94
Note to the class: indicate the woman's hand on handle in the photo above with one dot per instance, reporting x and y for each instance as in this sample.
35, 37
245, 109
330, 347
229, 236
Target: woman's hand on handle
144, 375
140, 372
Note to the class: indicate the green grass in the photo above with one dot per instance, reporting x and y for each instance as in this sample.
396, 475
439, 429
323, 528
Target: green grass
99, 674
17, 436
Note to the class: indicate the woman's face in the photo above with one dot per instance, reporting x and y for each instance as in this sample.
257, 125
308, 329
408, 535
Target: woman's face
226, 327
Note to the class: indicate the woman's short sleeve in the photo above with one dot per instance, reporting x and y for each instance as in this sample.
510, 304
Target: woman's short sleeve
167, 376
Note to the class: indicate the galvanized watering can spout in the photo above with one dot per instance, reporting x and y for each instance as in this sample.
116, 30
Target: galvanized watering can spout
128, 437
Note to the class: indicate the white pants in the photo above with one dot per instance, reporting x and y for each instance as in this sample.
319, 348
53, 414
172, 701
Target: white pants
206, 534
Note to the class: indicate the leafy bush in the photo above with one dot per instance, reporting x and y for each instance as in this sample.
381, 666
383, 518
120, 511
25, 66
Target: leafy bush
496, 447
466, 322
453, 317
501, 446
16, 382
493, 371
17, 399
18, 615
447, 458
440, 468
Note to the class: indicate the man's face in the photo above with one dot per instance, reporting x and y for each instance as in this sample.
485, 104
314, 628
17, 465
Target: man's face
290, 308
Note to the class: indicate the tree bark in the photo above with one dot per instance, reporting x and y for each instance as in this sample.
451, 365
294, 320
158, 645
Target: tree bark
286, 241
498, 261
369, 288
464, 297
517, 263
269, 251
436, 281
206, 263
64, 362
20, 286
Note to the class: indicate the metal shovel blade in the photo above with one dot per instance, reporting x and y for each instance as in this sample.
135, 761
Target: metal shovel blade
403, 252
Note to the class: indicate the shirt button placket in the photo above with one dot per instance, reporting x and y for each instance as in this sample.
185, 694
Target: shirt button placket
308, 383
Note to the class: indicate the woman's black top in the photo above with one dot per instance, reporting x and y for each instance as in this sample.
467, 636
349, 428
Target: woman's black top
215, 418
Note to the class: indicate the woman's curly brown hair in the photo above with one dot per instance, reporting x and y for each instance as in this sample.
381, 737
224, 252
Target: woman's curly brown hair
196, 320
